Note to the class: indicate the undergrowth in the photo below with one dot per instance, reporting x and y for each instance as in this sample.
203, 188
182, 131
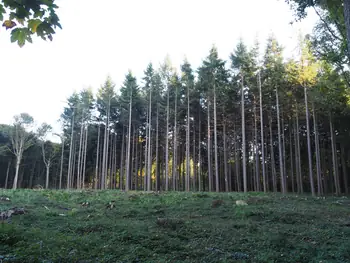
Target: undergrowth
113, 226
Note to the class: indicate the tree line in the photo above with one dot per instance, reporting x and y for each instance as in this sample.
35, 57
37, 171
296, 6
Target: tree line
254, 122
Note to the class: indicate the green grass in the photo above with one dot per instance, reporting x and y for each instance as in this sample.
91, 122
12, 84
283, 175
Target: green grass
174, 227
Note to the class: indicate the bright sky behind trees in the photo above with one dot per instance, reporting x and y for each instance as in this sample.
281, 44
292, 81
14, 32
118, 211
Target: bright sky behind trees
108, 37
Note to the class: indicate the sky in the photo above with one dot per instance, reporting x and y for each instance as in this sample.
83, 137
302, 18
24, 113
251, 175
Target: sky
109, 37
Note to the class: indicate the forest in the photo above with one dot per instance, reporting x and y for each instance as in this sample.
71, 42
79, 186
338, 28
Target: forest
244, 158
257, 120
253, 122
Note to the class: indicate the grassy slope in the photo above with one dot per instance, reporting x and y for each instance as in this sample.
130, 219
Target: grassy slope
271, 228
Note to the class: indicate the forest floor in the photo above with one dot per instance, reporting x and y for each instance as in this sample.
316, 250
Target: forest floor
113, 226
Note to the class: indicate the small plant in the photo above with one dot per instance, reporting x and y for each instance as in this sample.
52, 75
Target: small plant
217, 203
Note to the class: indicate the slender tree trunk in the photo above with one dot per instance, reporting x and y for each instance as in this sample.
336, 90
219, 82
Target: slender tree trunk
217, 186
225, 159
199, 154
334, 158
237, 161
167, 143
209, 150
344, 169
262, 134
73, 167
70, 154
188, 141
149, 162
256, 150
132, 169
32, 175
272, 154
195, 176
317, 150
284, 154
105, 150
157, 151
311, 176
291, 157
85, 152
127, 179
137, 160
121, 171
18, 162
80, 154
61, 165
146, 157
245, 187
297, 171
7, 173
283, 186
175, 144
47, 175
301, 190
97, 157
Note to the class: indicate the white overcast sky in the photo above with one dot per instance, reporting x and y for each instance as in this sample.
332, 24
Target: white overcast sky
108, 37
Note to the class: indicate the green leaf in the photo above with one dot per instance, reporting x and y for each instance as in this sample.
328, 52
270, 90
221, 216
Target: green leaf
20, 35
2, 12
33, 24
39, 14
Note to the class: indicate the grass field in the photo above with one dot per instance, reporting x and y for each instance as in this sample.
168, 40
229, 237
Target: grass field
112, 226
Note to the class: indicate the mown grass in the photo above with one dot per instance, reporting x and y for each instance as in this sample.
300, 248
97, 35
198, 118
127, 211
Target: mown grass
113, 226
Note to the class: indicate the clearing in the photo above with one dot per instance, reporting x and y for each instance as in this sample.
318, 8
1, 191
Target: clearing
113, 226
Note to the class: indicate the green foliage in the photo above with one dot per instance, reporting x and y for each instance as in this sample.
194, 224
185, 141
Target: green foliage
174, 227
28, 18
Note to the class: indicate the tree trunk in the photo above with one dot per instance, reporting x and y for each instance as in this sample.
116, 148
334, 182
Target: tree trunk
257, 168
146, 156
245, 187
18, 162
105, 151
175, 144
61, 166
262, 134
7, 173
121, 169
217, 186
84, 160
157, 151
127, 179
283, 186
137, 142
291, 157
188, 141
167, 143
225, 158
209, 150
70, 154
80, 154
334, 158
284, 154
199, 154
311, 177
344, 169
301, 190
272, 154
132, 169
47, 175
194, 181
317, 150
149, 162
97, 157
